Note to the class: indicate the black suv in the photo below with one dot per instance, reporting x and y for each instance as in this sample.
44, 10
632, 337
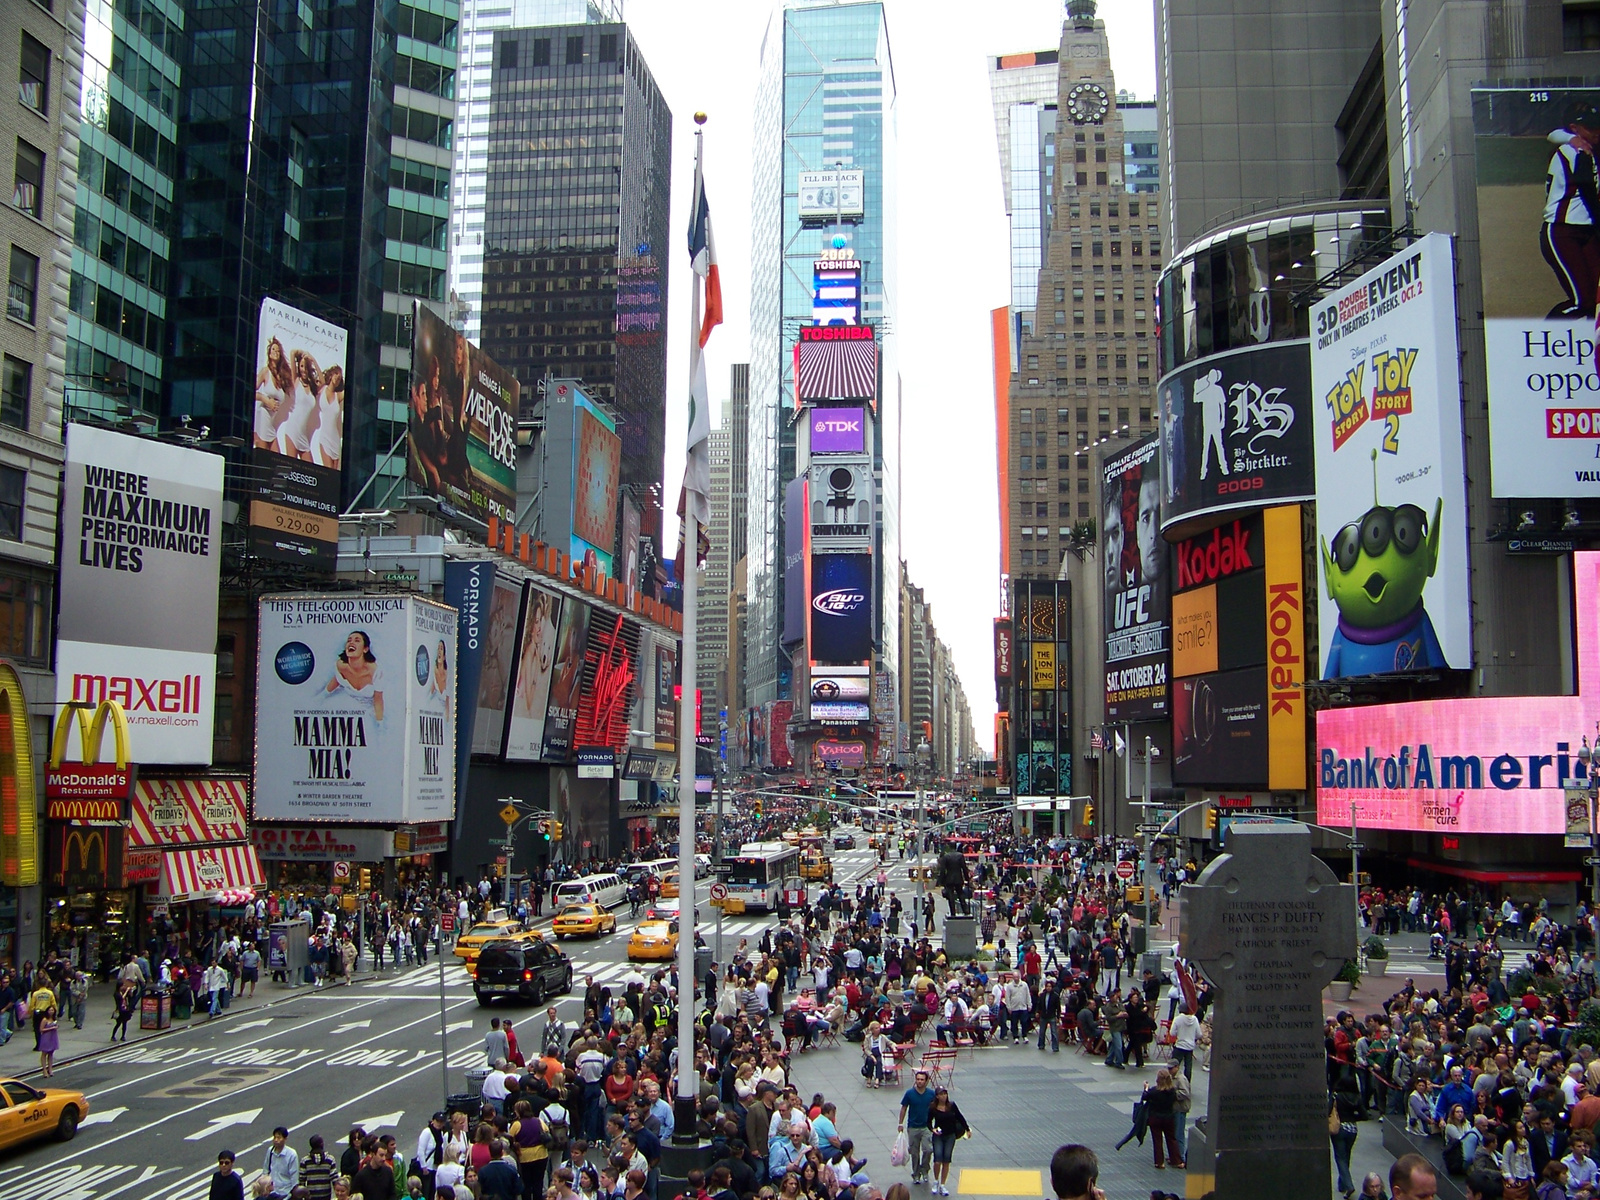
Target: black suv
525, 967
844, 841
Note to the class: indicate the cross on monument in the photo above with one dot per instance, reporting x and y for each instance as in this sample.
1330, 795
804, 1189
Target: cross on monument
1268, 924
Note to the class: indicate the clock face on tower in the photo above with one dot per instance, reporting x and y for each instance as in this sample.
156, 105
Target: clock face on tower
1087, 102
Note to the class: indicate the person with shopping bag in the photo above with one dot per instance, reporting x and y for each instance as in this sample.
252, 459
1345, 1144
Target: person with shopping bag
915, 1106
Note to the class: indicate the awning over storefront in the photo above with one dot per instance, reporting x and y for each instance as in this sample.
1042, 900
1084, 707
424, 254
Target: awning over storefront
1494, 874
199, 874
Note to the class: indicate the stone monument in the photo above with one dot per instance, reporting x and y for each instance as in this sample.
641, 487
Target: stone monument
1268, 924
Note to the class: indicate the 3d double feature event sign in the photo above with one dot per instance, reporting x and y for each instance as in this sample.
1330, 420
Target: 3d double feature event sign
1236, 432
141, 544
1136, 611
355, 709
1537, 215
298, 436
1391, 494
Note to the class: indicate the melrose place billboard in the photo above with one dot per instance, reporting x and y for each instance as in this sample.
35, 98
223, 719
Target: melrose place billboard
1473, 765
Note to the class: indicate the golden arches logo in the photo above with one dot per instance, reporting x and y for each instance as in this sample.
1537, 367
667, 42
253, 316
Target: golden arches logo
91, 731
19, 827
91, 858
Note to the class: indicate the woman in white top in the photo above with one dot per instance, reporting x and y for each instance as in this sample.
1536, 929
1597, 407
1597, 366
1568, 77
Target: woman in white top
294, 433
358, 676
273, 384
328, 445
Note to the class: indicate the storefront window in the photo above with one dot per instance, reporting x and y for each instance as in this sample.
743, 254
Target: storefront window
90, 929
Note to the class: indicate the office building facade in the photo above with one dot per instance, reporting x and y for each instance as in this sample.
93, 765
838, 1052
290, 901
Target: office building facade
575, 251
825, 99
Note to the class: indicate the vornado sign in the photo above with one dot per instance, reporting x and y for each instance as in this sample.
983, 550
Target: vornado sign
140, 551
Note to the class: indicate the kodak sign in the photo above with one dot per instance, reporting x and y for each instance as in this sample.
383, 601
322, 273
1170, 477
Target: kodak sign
1286, 640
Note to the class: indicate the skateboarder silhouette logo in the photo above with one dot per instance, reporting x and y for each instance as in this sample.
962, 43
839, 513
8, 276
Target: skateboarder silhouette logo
1258, 413
1213, 404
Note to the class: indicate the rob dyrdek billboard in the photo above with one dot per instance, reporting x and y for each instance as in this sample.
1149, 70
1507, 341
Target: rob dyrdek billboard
1236, 432
1536, 223
298, 436
141, 543
1136, 613
462, 444
1391, 494
355, 709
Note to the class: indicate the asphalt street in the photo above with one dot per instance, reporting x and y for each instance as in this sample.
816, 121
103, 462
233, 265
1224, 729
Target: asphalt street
317, 1061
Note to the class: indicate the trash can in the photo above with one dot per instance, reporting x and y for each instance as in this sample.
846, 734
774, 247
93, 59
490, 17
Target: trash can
1151, 962
475, 1078
155, 1009
703, 961
465, 1102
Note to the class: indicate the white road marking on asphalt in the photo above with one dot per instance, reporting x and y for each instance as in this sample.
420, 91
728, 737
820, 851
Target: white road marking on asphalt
250, 1025
218, 1124
388, 1120
455, 1025
52, 1182
104, 1117
349, 1025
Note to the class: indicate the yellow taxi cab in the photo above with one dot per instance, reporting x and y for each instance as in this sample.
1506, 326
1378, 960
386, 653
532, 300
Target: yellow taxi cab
654, 939
579, 920
815, 866
495, 926
28, 1112
669, 885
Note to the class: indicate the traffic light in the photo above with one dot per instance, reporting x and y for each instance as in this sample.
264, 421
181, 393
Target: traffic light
544, 830
759, 802
555, 831
1211, 818
1088, 816
364, 879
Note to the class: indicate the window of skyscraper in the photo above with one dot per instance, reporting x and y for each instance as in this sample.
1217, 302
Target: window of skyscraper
25, 614
508, 54
33, 76
27, 187
13, 497
541, 52
574, 50
15, 385
22, 289
608, 47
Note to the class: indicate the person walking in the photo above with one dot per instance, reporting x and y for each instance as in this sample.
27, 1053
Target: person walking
947, 1124
915, 1105
282, 1164
1047, 1007
127, 1000
1342, 1131
317, 1170
1160, 1105
225, 1183
1185, 1031
49, 1040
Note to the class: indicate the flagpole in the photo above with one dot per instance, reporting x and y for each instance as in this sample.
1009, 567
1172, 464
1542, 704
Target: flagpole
685, 1109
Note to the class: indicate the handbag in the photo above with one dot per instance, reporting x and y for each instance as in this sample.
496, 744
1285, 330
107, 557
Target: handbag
900, 1151
1517, 1189
1333, 1121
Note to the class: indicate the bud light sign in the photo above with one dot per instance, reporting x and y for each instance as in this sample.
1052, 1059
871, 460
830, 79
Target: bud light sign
841, 608
838, 430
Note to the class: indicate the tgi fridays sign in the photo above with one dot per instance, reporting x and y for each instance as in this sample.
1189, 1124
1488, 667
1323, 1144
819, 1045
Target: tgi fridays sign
187, 812
321, 843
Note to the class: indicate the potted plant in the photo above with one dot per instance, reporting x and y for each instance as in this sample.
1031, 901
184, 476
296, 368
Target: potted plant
1349, 975
1377, 956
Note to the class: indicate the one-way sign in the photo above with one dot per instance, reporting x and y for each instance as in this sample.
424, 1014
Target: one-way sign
722, 870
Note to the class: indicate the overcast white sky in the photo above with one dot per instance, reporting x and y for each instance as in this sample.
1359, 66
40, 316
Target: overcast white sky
705, 55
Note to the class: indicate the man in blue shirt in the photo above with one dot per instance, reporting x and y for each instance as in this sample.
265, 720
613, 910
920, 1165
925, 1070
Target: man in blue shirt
915, 1105
1452, 1093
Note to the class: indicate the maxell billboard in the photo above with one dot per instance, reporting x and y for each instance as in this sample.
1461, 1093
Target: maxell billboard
1136, 585
1537, 215
354, 700
141, 543
1236, 433
1391, 489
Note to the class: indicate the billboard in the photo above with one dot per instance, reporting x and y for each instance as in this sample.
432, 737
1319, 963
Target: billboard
355, 709
836, 362
1002, 650
666, 666
1385, 371
1472, 765
835, 291
499, 664
841, 494
841, 608
1236, 432
795, 543
610, 682
1041, 698
566, 680
596, 479
469, 589
298, 436
828, 194
1135, 612
462, 445
141, 547
838, 430
535, 664
778, 734
1536, 218
836, 685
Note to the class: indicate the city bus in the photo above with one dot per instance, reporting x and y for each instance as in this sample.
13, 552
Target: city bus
757, 873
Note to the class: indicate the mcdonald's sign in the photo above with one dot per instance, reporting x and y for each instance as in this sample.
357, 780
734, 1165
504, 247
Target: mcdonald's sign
104, 784
19, 826
85, 859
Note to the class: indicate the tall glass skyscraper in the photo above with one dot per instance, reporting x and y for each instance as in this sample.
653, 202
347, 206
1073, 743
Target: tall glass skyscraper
825, 98
232, 152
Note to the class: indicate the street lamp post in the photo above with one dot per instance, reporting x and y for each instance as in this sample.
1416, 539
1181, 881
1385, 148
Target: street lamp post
1150, 752
924, 757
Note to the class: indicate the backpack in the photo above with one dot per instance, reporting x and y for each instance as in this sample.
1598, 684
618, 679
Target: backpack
557, 1132
1455, 1158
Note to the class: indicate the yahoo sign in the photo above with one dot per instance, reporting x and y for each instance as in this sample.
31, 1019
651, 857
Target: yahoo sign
1491, 764
838, 430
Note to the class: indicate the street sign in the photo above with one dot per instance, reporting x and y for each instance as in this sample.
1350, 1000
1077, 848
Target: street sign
719, 891
1150, 829
508, 814
1126, 870
447, 922
341, 871
722, 869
